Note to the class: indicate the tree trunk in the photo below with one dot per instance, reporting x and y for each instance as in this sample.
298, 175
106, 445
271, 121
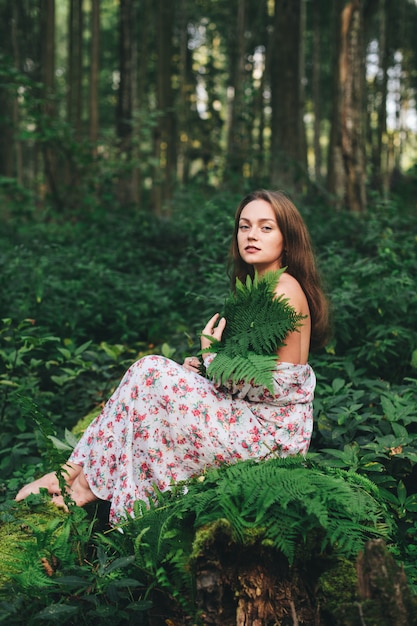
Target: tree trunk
237, 140
316, 90
288, 146
124, 124
7, 97
255, 586
346, 172
165, 134
47, 41
75, 64
93, 102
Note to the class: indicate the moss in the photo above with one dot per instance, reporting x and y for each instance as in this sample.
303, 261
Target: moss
85, 421
338, 585
208, 534
18, 523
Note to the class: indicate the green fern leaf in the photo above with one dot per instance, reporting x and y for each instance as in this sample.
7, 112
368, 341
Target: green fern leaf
257, 325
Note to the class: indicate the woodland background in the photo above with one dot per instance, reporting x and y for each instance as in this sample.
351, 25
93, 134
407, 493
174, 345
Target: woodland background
129, 133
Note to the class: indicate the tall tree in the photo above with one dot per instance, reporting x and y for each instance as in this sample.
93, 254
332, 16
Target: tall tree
47, 70
316, 64
75, 65
93, 100
378, 130
124, 122
165, 131
237, 140
288, 143
346, 169
7, 92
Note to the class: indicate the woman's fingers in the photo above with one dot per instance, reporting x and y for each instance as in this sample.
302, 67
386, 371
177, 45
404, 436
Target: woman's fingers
209, 327
212, 330
192, 364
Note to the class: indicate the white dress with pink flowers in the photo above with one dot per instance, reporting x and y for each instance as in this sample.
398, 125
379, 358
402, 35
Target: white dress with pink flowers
164, 423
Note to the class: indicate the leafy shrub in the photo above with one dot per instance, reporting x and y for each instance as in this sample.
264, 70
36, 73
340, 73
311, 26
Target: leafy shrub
299, 510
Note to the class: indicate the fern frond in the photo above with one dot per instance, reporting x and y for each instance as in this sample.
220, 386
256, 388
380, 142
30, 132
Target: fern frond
252, 367
257, 324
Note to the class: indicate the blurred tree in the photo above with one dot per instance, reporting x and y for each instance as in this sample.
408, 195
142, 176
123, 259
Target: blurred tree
220, 92
124, 121
288, 143
93, 101
46, 118
315, 89
75, 66
346, 169
238, 141
8, 104
165, 137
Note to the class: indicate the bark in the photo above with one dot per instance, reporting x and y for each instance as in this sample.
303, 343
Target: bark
377, 105
383, 175
316, 90
248, 585
238, 585
261, 85
124, 123
288, 145
184, 96
75, 64
93, 103
165, 135
237, 140
7, 97
47, 66
347, 174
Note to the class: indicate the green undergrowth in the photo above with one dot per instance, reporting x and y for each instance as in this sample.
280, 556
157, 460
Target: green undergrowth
65, 566
82, 299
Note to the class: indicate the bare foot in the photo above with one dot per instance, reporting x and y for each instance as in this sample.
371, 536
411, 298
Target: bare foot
79, 491
50, 482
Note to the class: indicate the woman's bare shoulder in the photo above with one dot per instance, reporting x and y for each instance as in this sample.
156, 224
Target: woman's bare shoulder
290, 288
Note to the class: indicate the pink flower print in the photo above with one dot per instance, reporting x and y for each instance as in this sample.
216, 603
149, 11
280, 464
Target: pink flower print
255, 434
134, 392
145, 470
112, 464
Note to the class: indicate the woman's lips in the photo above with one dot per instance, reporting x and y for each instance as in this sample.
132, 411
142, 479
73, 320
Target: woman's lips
251, 249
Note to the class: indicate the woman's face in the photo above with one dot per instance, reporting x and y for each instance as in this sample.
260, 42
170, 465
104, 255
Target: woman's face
259, 239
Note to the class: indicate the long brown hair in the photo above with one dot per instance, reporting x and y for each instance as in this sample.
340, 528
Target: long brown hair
298, 258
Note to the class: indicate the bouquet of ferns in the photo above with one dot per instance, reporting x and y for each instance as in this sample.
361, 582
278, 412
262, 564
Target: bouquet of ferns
258, 322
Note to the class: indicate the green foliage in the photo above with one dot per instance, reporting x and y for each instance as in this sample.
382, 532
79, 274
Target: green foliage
320, 511
80, 301
44, 379
257, 323
53, 570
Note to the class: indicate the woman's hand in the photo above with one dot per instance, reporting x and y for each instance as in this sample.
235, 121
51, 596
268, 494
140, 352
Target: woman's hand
212, 330
192, 364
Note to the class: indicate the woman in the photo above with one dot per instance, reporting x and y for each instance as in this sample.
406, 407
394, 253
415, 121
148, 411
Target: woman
166, 422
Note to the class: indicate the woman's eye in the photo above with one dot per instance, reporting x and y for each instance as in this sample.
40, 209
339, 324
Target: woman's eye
267, 228
243, 227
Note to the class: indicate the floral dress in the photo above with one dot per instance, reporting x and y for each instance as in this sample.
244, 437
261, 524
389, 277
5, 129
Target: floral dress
164, 423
